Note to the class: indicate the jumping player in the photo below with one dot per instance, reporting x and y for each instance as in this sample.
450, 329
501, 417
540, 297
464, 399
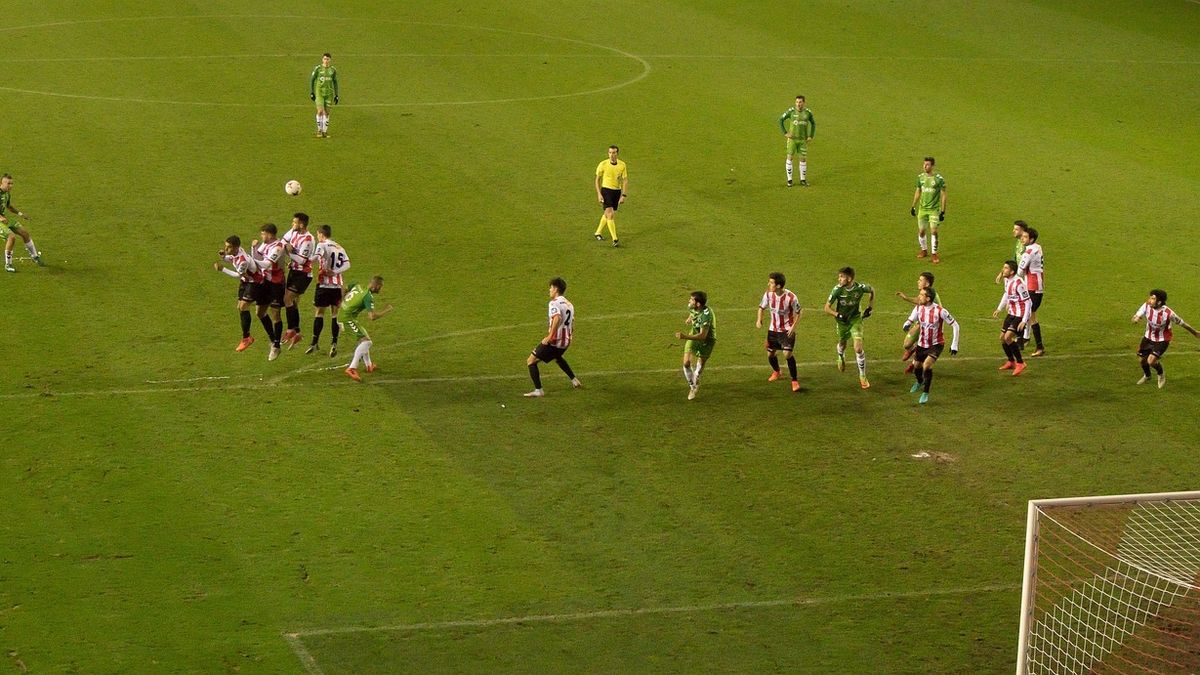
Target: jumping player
246, 271
332, 263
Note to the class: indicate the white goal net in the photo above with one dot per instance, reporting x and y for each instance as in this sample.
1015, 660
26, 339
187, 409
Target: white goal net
1112, 585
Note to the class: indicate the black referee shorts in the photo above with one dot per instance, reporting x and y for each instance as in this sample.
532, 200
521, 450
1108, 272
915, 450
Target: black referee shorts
612, 197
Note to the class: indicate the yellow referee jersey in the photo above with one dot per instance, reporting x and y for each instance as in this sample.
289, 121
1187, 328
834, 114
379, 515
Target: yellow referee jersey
614, 174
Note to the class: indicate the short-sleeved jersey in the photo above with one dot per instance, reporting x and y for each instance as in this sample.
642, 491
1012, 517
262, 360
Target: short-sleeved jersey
701, 319
784, 308
931, 186
1015, 299
845, 299
614, 175
802, 125
358, 299
930, 318
323, 81
1158, 322
1031, 266
303, 244
270, 259
333, 263
245, 267
562, 307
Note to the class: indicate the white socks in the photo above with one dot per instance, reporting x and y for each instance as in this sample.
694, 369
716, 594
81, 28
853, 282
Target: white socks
8, 258
31, 248
788, 164
319, 125
861, 357
933, 240
921, 241
322, 123
803, 170
687, 375
361, 353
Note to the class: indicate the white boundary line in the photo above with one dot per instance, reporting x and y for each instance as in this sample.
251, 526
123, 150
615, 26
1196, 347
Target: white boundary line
295, 639
646, 68
278, 381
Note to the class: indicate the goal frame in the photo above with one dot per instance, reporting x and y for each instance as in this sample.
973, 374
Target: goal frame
1029, 574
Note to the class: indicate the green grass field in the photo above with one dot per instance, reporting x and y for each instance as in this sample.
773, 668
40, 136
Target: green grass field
173, 506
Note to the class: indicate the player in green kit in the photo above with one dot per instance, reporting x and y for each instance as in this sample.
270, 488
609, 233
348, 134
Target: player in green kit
323, 90
843, 304
1018, 233
361, 299
798, 128
15, 229
698, 345
929, 206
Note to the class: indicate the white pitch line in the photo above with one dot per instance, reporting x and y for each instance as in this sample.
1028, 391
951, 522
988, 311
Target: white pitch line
302, 653
131, 391
643, 611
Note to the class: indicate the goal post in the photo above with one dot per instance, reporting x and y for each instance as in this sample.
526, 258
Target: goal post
1111, 584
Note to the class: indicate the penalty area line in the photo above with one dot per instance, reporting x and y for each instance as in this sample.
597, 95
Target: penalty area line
650, 611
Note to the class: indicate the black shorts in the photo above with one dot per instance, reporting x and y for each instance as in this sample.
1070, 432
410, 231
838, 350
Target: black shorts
779, 340
297, 281
1037, 300
327, 297
612, 197
268, 293
246, 291
1010, 323
927, 352
547, 353
1149, 347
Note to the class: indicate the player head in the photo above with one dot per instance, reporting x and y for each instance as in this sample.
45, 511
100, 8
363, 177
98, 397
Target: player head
698, 300
799, 102
233, 244
1019, 227
775, 282
929, 162
612, 153
1009, 269
557, 287
6, 182
325, 59
269, 232
925, 280
845, 276
1158, 298
925, 295
1029, 236
376, 284
324, 232
300, 221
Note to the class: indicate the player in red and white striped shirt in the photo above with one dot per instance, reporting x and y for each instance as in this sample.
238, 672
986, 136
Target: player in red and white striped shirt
1016, 301
1159, 319
781, 336
1031, 268
270, 258
928, 317
300, 246
246, 271
558, 338
332, 262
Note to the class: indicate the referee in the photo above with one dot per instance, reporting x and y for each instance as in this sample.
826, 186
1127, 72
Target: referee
612, 183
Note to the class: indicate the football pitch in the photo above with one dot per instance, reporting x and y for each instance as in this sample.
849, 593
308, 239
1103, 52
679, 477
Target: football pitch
174, 506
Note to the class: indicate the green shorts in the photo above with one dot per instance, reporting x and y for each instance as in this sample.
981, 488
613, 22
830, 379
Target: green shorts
929, 218
356, 328
324, 100
797, 146
701, 349
850, 330
13, 225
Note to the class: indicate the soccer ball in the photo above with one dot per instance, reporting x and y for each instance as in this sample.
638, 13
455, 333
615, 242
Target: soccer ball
292, 187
